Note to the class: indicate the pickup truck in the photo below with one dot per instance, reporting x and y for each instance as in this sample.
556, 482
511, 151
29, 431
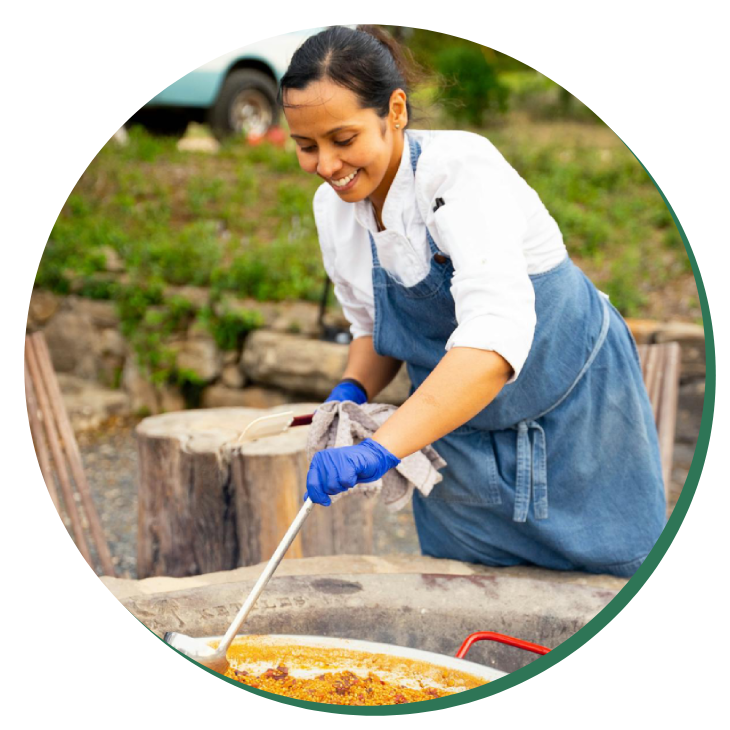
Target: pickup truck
233, 94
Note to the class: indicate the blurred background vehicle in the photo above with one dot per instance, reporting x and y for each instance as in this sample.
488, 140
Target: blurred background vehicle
234, 93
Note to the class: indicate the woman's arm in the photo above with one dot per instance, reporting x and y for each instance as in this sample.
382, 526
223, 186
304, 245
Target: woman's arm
367, 367
462, 384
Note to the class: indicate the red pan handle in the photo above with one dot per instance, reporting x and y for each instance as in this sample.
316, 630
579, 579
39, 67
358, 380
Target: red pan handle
502, 639
302, 420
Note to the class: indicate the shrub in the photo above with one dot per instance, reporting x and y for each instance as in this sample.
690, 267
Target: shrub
189, 256
286, 268
471, 87
230, 327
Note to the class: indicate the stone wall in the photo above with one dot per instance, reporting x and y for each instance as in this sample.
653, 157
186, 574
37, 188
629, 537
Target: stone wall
282, 362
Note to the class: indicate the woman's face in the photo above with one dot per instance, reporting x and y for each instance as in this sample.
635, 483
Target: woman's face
351, 148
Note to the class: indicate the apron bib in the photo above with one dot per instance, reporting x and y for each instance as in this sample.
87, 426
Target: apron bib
577, 416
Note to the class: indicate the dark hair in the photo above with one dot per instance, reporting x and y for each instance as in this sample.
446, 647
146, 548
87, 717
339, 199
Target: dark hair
367, 61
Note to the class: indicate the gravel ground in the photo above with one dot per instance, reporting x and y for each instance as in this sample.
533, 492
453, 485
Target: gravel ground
110, 462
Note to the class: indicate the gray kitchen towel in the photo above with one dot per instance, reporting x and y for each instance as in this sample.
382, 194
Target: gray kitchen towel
344, 423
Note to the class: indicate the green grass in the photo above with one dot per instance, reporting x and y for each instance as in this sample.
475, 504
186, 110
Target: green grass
241, 221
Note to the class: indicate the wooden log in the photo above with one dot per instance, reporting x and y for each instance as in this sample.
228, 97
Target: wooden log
269, 477
73, 455
207, 503
39, 441
661, 365
54, 443
667, 416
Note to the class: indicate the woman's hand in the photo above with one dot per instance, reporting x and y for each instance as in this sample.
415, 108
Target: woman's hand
336, 470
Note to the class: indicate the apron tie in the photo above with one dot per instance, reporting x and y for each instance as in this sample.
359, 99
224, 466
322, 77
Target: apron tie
531, 472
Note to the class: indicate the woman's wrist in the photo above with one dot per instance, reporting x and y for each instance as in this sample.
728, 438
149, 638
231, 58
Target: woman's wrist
348, 390
357, 383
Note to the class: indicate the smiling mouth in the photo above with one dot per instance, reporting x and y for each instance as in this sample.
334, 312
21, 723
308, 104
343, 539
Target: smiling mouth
345, 183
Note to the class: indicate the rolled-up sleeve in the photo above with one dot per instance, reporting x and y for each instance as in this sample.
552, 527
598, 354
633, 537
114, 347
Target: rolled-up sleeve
481, 226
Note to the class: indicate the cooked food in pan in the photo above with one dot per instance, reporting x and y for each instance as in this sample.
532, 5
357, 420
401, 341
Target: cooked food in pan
341, 676
334, 688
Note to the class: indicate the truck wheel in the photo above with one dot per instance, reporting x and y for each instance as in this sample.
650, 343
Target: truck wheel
245, 105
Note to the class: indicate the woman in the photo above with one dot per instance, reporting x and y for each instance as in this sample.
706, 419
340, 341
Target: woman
525, 378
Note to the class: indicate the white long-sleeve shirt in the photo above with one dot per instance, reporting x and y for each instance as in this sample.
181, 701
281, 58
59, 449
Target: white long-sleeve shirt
492, 225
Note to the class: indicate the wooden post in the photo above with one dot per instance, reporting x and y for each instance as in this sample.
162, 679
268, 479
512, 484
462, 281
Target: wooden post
660, 364
207, 503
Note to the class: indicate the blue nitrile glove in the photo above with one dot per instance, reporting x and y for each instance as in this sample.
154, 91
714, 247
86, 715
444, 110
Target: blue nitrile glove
348, 390
336, 470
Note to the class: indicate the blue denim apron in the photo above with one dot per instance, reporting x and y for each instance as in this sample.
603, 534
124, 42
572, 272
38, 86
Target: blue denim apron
578, 417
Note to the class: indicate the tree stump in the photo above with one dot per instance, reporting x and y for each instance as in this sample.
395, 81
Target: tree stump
207, 503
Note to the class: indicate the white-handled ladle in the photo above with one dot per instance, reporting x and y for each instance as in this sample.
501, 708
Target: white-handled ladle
215, 659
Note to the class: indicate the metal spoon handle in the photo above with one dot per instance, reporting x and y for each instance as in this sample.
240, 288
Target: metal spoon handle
271, 566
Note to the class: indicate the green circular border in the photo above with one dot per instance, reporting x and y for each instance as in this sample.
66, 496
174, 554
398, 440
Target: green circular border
624, 596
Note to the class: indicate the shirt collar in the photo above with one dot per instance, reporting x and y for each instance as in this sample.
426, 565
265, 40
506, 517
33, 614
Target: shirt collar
400, 188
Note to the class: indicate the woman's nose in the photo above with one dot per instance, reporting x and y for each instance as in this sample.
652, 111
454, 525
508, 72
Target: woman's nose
328, 164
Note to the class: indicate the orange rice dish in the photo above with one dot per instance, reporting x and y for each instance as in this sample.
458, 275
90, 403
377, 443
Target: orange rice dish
340, 676
334, 688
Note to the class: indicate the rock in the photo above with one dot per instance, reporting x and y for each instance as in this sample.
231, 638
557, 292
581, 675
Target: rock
307, 367
110, 371
232, 377
297, 318
198, 296
121, 137
113, 262
429, 611
99, 313
681, 332
208, 145
72, 344
170, 399
268, 311
217, 396
89, 405
293, 363
254, 397
231, 357
200, 355
142, 394
355, 565
43, 305
111, 342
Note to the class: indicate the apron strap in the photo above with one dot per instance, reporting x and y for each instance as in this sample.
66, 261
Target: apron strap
531, 472
415, 148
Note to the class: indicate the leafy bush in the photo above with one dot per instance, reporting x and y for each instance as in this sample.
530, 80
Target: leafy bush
64, 260
148, 321
471, 87
188, 257
624, 287
229, 328
282, 269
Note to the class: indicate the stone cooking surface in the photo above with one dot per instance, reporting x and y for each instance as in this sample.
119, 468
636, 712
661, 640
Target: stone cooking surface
432, 611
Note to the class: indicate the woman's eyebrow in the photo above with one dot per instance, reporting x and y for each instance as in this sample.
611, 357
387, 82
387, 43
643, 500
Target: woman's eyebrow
326, 134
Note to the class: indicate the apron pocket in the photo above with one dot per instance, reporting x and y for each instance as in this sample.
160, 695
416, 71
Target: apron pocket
471, 475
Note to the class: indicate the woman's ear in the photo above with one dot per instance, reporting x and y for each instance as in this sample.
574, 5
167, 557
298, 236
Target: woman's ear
398, 116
